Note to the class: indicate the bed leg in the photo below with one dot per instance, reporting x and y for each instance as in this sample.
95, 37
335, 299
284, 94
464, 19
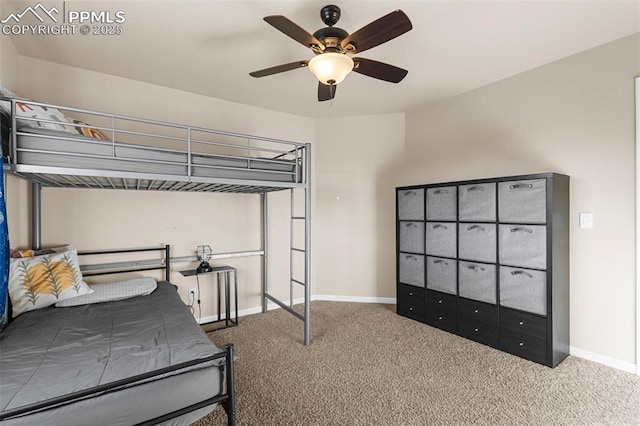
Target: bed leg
230, 404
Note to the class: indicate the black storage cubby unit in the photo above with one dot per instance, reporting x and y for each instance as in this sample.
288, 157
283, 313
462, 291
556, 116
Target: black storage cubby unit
488, 260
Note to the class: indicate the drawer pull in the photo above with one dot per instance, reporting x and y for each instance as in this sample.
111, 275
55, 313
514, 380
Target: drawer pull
441, 261
441, 191
411, 309
410, 294
475, 329
522, 229
440, 302
520, 272
475, 188
521, 344
476, 268
472, 227
521, 185
440, 318
521, 323
440, 226
475, 311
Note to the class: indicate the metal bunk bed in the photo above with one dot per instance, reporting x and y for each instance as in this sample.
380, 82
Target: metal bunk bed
142, 154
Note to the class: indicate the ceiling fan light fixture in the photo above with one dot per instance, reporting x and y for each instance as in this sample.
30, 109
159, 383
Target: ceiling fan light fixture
331, 67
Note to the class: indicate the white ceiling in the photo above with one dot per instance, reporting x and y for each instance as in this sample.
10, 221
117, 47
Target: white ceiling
209, 47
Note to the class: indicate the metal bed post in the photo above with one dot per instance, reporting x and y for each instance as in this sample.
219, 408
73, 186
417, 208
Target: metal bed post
265, 249
307, 245
36, 215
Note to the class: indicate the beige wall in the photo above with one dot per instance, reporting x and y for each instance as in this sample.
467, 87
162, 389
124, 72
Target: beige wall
114, 219
574, 116
355, 245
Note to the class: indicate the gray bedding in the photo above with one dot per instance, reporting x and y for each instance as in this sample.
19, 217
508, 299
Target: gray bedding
56, 351
142, 159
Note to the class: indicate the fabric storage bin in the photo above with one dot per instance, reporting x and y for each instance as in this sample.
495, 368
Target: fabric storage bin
523, 289
523, 245
412, 237
411, 268
523, 201
477, 241
441, 203
440, 239
411, 204
477, 202
477, 281
441, 274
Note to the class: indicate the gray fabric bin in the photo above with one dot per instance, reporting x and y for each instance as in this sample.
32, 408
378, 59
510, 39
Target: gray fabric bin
411, 204
412, 237
441, 274
441, 203
523, 245
477, 241
411, 269
522, 201
477, 202
441, 239
523, 289
477, 281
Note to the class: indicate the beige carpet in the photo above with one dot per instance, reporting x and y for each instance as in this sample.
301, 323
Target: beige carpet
368, 366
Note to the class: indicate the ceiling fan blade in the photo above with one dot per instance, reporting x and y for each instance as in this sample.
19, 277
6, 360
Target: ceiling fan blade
379, 70
279, 68
293, 30
379, 31
326, 92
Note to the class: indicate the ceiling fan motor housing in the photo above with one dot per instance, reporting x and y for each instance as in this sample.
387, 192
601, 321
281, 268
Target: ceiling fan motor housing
331, 37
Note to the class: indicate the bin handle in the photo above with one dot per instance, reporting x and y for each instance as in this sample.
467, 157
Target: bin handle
520, 272
441, 191
476, 268
521, 185
439, 225
410, 224
441, 261
410, 257
407, 193
475, 188
522, 229
475, 227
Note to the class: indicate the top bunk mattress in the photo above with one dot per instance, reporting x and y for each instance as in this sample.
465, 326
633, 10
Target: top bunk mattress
56, 351
50, 148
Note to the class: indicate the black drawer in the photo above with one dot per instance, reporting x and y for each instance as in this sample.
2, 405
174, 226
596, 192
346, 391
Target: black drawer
523, 345
477, 311
522, 322
443, 301
483, 332
444, 320
411, 302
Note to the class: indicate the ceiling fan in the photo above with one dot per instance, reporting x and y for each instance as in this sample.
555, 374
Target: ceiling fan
332, 47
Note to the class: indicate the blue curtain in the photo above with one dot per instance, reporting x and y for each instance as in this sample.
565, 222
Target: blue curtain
4, 257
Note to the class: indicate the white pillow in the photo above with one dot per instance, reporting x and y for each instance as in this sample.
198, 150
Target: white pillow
109, 292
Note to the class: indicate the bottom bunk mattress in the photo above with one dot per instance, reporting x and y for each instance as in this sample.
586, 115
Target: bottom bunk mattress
57, 351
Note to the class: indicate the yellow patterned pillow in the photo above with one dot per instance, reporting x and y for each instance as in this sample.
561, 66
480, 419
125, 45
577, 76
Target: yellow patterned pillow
40, 281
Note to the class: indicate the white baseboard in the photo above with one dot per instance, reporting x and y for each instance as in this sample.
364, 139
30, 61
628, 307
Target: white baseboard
357, 299
603, 359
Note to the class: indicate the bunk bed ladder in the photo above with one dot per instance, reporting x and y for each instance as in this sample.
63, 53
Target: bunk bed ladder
304, 282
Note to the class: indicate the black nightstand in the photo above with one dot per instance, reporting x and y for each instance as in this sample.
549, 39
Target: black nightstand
221, 272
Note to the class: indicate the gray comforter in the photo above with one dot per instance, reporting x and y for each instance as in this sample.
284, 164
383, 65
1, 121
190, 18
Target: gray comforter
56, 351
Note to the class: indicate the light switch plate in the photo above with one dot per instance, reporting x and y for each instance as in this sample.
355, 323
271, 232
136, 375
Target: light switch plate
586, 220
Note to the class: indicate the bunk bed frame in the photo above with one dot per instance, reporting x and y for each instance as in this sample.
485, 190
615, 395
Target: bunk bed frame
191, 159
